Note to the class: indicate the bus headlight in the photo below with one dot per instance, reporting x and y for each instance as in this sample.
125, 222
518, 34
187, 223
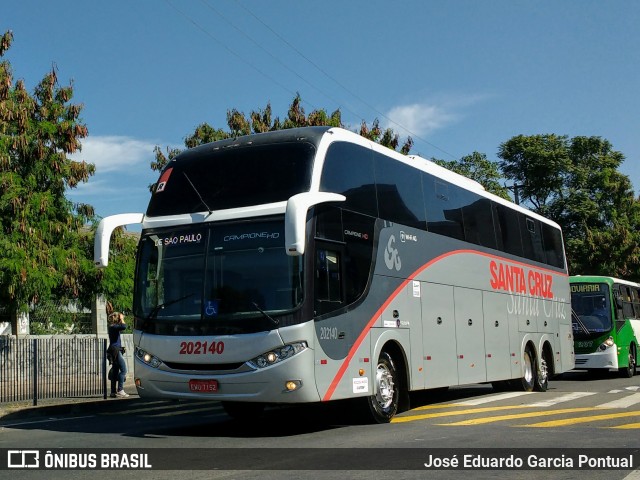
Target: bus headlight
147, 358
608, 343
277, 355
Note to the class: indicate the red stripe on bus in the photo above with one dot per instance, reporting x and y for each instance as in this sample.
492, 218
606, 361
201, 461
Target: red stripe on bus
345, 364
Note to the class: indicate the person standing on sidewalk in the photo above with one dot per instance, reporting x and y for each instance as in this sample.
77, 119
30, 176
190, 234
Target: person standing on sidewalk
114, 354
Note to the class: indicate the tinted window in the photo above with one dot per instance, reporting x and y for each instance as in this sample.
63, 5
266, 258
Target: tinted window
359, 232
355, 256
509, 230
552, 243
478, 220
531, 238
218, 179
348, 169
443, 211
329, 223
399, 192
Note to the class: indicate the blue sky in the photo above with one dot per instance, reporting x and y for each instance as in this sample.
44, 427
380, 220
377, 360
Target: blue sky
459, 75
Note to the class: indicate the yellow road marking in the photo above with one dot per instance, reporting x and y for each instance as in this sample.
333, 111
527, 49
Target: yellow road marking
537, 413
573, 421
628, 426
434, 407
424, 416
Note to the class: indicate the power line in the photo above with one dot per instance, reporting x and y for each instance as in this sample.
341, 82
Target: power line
284, 65
330, 77
274, 80
232, 52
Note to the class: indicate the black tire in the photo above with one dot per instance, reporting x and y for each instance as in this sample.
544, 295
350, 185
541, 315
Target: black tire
384, 402
243, 410
528, 380
630, 370
543, 372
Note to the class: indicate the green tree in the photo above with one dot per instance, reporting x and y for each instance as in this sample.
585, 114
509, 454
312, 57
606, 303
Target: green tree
114, 283
576, 182
260, 121
39, 239
477, 167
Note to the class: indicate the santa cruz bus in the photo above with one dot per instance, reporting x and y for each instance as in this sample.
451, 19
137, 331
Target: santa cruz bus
606, 323
311, 264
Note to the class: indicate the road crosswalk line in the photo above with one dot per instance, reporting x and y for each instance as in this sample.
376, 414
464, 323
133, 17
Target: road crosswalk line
494, 398
573, 421
563, 398
622, 402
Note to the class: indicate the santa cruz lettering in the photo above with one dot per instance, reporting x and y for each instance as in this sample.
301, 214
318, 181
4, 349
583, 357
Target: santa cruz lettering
517, 279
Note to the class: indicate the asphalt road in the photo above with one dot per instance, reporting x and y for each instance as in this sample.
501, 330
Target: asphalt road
578, 412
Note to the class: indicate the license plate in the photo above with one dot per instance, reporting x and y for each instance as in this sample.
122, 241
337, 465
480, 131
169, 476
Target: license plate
203, 386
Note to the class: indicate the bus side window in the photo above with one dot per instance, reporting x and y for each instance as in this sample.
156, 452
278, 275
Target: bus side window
328, 281
627, 305
635, 295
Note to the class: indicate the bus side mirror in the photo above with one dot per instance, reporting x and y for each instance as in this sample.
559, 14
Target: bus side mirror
295, 218
103, 235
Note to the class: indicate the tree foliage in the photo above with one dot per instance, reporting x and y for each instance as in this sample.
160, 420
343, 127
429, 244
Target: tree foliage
262, 120
477, 167
115, 282
39, 239
576, 182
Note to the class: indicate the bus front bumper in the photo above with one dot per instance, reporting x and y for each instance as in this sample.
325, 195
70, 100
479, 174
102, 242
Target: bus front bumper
266, 385
607, 360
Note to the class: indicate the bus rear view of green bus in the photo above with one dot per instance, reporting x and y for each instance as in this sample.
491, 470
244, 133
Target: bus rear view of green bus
606, 323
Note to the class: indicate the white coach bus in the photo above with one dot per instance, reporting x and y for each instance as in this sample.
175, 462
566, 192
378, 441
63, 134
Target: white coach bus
312, 264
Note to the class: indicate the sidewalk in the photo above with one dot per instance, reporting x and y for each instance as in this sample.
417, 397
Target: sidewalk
60, 406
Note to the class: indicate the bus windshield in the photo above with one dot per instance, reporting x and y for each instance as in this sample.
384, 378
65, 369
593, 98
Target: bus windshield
217, 179
592, 307
230, 278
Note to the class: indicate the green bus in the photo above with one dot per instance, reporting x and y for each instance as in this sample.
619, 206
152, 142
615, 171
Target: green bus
606, 323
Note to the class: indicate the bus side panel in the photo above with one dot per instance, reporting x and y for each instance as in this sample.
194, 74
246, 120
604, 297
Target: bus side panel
411, 305
339, 379
496, 335
438, 333
635, 324
470, 346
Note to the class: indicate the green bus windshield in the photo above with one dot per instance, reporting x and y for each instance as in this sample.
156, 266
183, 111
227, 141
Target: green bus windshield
591, 303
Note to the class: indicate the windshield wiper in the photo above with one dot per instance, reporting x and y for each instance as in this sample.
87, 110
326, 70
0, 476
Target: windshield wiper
197, 192
577, 320
273, 320
157, 308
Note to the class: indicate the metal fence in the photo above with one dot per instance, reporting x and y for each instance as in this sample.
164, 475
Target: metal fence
34, 368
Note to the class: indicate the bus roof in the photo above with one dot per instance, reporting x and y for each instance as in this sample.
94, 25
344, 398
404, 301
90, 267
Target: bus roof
600, 279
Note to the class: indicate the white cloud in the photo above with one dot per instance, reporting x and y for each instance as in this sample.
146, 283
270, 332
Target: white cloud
422, 119
115, 153
419, 119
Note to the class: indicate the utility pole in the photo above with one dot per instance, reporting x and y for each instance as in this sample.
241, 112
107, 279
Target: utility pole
515, 188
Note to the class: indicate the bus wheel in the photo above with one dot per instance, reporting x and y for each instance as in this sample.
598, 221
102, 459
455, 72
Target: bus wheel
542, 376
243, 410
630, 370
528, 380
383, 404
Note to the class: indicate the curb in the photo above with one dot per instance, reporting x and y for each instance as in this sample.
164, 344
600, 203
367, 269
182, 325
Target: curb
62, 406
